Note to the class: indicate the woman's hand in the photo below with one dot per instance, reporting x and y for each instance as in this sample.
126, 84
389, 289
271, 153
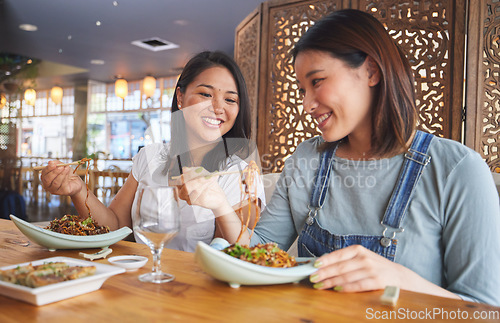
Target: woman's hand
61, 180
198, 187
357, 269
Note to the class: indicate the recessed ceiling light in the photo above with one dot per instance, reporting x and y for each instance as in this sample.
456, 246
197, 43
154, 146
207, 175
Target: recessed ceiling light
154, 44
97, 62
97, 23
115, 3
28, 27
181, 22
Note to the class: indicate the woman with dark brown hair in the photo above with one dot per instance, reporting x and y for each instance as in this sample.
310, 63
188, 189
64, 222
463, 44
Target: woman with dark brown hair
377, 201
210, 131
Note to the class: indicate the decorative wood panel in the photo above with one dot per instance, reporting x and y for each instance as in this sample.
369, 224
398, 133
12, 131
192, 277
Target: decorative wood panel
431, 33
483, 81
246, 53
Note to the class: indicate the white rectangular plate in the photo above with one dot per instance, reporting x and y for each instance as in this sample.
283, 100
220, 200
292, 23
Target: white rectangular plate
59, 291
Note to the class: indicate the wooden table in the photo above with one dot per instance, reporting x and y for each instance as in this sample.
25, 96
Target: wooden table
194, 296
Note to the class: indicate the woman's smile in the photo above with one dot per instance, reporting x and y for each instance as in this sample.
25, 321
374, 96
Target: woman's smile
212, 122
323, 119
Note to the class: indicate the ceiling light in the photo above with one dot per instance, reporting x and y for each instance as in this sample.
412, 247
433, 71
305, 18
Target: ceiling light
3, 100
97, 23
28, 27
97, 62
121, 88
30, 96
154, 44
149, 86
56, 94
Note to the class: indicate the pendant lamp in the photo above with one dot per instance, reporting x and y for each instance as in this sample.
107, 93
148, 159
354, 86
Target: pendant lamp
149, 86
30, 96
56, 94
121, 88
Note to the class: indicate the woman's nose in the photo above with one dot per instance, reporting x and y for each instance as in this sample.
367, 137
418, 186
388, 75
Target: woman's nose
218, 106
309, 102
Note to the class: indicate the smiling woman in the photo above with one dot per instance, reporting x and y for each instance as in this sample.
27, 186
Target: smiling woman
210, 128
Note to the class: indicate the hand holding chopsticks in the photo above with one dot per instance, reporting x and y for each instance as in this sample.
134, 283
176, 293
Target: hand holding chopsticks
79, 162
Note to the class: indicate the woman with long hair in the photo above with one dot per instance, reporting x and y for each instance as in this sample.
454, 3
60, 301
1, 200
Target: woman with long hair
210, 130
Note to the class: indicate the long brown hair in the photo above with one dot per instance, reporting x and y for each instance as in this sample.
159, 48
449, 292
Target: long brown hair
352, 35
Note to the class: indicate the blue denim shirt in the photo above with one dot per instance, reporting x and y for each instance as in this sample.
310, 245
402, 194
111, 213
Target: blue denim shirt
451, 228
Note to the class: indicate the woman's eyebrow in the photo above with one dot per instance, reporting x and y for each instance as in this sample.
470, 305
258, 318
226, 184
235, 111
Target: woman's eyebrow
212, 88
312, 72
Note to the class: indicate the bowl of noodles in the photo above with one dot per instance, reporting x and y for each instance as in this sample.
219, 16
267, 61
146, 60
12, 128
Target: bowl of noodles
236, 272
56, 240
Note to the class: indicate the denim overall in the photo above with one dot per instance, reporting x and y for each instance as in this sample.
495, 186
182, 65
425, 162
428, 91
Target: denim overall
316, 241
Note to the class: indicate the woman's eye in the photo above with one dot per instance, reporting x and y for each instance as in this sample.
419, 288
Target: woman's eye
207, 95
316, 81
232, 100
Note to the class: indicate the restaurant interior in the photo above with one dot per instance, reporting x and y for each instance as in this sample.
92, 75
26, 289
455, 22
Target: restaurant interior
96, 78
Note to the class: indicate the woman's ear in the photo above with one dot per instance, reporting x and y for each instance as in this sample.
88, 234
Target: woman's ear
178, 94
373, 71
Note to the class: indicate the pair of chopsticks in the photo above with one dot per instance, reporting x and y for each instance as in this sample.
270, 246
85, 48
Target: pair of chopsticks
59, 165
213, 174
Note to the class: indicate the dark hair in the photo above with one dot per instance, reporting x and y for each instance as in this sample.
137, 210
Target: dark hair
241, 128
352, 35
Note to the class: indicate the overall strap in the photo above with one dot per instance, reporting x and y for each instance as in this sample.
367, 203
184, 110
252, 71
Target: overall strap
415, 160
320, 187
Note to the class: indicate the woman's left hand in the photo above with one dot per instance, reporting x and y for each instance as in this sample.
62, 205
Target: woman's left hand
357, 269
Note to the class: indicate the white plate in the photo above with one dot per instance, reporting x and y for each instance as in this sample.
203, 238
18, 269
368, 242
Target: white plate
59, 291
237, 272
55, 240
130, 263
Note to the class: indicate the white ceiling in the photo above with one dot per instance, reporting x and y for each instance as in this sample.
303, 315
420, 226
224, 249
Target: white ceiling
67, 34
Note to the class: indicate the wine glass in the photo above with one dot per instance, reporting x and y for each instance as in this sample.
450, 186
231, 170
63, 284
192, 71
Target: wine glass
156, 222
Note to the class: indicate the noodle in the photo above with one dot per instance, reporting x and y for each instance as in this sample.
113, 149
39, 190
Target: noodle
268, 254
249, 193
71, 224
85, 160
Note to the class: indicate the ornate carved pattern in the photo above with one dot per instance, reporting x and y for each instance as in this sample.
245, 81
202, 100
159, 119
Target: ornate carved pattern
421, 29
288, 124
490, 109
247, 56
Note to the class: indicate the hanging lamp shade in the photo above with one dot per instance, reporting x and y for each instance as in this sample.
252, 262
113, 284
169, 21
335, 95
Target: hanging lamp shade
121, 88
56, 94
149, 86
30, 96
3, 100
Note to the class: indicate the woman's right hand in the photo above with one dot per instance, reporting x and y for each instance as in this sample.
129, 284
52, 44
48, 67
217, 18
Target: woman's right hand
198, 187
61, 180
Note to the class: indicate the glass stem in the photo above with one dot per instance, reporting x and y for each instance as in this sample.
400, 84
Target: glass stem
157, 260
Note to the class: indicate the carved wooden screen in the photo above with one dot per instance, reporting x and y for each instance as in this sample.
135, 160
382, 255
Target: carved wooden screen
431, 32
483, 81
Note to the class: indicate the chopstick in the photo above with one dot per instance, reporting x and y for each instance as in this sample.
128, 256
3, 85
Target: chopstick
59, 165
214, 174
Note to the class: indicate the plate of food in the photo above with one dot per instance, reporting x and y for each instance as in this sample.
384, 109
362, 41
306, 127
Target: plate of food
259, 266
53, 279
49, 237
